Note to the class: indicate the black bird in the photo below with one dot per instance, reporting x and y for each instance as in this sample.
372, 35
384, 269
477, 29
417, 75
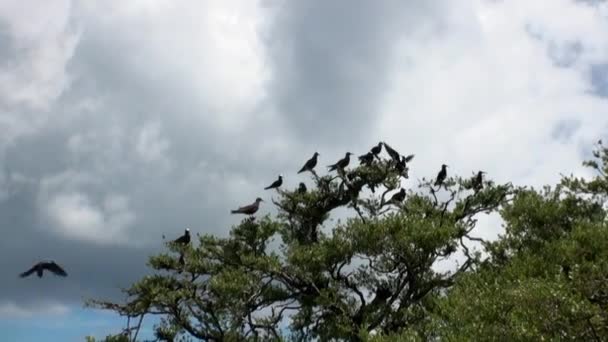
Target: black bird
477, 183
342, 163
277, 183
366, 159
310, 164
48, 265
399, 196
401, 165
248, 209
376, 149
302, 188
184, 239
441, 175
395, 156
409, 158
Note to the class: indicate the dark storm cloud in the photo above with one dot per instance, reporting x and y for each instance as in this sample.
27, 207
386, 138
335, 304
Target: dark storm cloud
332, 61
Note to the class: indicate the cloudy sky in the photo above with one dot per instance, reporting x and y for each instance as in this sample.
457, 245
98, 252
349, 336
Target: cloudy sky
124, 120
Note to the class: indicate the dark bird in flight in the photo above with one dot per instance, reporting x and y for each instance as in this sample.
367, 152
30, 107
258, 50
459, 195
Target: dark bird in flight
342, 163
277, 183
409, 158
248, 209
302, 188
310, 164
376, 149
366, 159
478, 181
399, 196
48, 265
184, 239
441, 175
395, 156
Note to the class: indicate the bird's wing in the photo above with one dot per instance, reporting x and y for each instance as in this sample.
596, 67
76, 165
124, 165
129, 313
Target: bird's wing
28, 272
53, 267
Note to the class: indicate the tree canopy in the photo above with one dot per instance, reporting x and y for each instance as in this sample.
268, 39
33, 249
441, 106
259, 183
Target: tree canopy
373, 275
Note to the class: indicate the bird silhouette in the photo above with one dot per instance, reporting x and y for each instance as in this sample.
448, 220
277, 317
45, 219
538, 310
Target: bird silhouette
376, 149
342, 163
366, 159
477, 183
302, 188
277, 183
48, 265
399, 196
409, 158
441, 175
395, 156
184, 239
310, 163
248, 209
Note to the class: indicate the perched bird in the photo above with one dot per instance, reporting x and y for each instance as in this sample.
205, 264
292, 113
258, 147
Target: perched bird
48, 265
376, 149
399, 196
248, 209
366, 159
401, 165
277, 183
409, 158
441, 175
310, 163
302, 188
477, 183
395, 156
184, 239
342, 163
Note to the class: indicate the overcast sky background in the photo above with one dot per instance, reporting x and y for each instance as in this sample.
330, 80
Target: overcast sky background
124, 120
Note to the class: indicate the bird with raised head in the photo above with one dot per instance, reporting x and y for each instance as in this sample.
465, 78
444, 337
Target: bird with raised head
310, 163
302, 188
376, 149
248, 209
342, 163
48, 265
398, 197
477, 183
277, 183
441, 176
184, 239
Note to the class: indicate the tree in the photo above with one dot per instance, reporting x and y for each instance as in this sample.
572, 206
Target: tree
547, 277
371, 273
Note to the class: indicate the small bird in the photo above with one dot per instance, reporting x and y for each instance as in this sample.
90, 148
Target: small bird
366, 159
395, 156
409, 158
48, 265
342, 163
477, 183
302, 188
248, 209
184, 239
441, 175
399, 196
310, 164
376, 149
277, 183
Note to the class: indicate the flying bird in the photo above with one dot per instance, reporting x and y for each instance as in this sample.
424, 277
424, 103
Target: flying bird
366, 159
441, 175
248, 209
48, 265
302, 188
342, 163
184, 239
399, 196
477, 183
395, 156
277, 183
376, 149
310, 164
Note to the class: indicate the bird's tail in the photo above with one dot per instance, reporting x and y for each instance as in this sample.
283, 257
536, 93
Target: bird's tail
266, 188
234, 211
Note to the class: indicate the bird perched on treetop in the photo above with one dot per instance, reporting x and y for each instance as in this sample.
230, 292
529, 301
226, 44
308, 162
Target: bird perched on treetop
302, 188
399, 196
310, 164
366, 159
184, 239
342, 163
395, 156
277, 183
248, 209
477, 183
48, 265
376, 149
441, 175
